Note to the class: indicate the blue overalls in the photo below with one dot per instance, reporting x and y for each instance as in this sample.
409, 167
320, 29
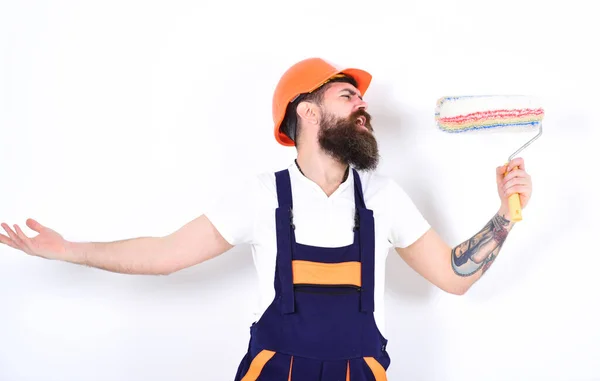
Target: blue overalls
320, 325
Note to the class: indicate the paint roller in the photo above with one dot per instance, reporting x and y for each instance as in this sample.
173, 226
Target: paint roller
456, 114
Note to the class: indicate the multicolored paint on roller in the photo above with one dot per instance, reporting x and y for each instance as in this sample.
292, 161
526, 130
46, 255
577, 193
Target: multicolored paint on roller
462, 113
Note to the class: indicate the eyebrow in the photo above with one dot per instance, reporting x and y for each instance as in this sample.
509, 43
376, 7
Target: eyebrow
352, 92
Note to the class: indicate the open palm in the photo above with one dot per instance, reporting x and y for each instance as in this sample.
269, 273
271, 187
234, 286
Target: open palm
48, 243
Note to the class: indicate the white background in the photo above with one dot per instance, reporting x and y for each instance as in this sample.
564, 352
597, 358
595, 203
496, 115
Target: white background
121, 119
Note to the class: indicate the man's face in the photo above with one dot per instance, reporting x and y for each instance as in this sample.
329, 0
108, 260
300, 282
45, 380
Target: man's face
345, 128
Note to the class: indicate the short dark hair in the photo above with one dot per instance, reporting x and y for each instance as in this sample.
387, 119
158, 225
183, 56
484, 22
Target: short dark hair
289, 125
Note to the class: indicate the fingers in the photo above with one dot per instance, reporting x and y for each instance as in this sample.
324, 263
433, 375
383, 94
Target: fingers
23, 237
7, 241
500, 171
515, 168
517, 181
17, 242
517, 185
34, 225
521, 189
516, 162
515, 173
512, 179
508, 167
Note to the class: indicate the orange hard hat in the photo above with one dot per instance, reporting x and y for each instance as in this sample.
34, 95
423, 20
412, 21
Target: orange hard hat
305, 77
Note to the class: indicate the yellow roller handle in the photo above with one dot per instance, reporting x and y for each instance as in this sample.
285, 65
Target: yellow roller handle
514, 206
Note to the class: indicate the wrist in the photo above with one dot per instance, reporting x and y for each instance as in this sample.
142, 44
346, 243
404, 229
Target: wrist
72, 253
504, 212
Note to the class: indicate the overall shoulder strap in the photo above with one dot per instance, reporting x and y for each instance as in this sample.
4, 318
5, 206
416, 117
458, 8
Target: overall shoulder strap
359, 199
284, 225
284, 188
366, 230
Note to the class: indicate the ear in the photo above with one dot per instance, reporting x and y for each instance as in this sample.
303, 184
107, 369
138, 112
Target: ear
308, 112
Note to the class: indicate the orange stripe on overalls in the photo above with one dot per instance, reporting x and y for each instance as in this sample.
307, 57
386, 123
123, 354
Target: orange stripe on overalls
308, 272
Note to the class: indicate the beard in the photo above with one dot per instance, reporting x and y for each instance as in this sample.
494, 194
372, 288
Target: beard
345, 140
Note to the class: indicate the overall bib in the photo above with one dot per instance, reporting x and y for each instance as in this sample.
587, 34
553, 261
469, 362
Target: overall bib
320, 325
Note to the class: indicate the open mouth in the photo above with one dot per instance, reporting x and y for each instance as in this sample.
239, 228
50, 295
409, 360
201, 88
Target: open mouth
361, 121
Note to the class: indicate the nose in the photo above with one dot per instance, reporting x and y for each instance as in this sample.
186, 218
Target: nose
361, 104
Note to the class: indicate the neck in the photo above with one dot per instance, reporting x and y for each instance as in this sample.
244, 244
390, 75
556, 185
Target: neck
322, 169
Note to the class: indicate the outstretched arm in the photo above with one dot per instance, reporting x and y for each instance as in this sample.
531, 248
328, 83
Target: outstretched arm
195, 242
456, 269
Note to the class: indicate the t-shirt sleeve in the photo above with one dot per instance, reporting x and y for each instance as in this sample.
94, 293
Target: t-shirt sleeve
407, 222
233, 213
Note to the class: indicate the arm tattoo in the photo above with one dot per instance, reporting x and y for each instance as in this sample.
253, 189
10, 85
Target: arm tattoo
480, 251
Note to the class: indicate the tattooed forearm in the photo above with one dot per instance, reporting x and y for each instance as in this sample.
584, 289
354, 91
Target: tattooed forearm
480, 251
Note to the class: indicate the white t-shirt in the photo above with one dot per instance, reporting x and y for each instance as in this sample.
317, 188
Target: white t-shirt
246, 215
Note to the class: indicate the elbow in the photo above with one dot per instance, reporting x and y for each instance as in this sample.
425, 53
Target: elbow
170, 266
460, 291
457, 289
167, 269
164, 268
165, 261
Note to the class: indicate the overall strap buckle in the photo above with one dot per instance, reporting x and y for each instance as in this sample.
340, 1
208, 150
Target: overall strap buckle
292, 218
356, 222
